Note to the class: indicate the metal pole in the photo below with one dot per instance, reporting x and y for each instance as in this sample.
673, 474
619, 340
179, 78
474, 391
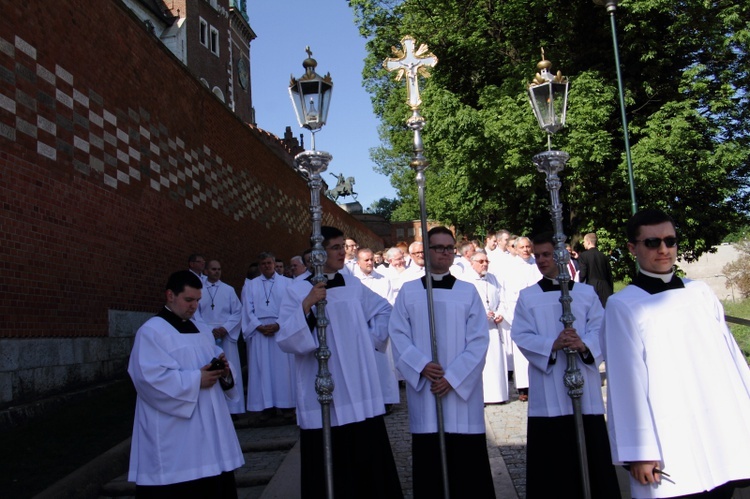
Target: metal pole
550, 163
313, 163
419, 164
611, 8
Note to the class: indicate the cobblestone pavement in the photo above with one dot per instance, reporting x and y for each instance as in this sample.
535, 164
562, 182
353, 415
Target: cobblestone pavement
508, 424
507, 432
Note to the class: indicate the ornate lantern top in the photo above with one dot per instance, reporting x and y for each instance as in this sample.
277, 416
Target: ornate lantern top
548, 95
311, 95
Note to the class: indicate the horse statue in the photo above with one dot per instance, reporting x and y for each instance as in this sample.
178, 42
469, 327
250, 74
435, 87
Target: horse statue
344, 187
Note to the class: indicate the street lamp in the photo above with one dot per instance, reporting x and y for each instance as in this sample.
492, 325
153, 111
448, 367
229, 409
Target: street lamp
611, 6
548, 94
311, 98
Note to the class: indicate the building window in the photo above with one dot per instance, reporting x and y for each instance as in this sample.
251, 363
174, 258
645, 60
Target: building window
400, 233
203, 32
214, 40
410, 232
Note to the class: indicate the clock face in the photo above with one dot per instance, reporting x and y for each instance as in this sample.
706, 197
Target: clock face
243, 74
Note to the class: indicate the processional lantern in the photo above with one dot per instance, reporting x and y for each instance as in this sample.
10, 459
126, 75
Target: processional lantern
311, 96
548, 95
549, 100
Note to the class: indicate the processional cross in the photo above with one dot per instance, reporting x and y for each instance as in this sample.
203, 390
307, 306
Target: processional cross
411, 63
414, 63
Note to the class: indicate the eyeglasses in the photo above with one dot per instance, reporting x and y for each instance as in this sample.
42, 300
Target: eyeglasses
442, 249
417, 253
481, 261
655, 242
335, 247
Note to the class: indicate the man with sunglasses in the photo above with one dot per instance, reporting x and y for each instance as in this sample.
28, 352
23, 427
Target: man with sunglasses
678, 387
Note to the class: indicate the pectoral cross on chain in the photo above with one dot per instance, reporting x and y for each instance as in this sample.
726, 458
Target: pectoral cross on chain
411, 63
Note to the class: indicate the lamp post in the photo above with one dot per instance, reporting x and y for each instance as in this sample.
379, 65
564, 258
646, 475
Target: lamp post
413, 62
611, 6
548, 95
311, 98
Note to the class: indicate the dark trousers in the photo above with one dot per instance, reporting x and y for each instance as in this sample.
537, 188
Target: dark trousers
215, 487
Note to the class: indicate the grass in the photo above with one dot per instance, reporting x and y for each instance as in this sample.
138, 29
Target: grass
740, 309
47, 449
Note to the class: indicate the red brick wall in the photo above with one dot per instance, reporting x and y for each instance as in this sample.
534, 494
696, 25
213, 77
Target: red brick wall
116, 164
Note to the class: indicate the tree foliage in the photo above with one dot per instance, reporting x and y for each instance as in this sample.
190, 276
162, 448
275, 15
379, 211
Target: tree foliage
384, 207
685, 70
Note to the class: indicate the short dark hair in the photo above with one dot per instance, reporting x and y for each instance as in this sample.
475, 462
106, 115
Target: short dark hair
329, 233
440, 230
178, 280
194, 256
648, 216
543, 238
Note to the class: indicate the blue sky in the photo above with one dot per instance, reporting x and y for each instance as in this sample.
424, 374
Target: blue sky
284, 28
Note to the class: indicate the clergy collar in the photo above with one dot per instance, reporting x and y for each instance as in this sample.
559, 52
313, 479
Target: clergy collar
181, 325
664, 277
335, 280
440, 281
548, 284
653, 285
273, 277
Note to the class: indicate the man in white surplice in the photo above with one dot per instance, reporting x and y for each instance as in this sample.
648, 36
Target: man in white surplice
383, 358
221, 310
357, 325
462, 339
270, 378
184, 443
678, 386
521, 274
495, 373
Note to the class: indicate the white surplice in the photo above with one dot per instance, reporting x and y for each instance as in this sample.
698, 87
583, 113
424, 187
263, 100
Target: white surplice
220, 307
678, 388
520, 274
270, 372
181, 431
358, 320
495, 373
377, 283
536, 326
462, 339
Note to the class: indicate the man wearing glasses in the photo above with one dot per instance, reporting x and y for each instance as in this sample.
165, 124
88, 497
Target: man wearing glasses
678, 387
456, 377
350, 249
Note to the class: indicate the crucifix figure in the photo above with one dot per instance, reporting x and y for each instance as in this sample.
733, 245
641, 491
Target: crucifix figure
411, 63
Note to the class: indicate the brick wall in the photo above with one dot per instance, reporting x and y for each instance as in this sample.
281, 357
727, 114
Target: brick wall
115, 165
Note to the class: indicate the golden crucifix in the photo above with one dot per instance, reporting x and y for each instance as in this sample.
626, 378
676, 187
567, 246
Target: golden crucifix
411, 63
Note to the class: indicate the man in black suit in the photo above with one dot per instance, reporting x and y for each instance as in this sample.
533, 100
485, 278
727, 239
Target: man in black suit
594, 269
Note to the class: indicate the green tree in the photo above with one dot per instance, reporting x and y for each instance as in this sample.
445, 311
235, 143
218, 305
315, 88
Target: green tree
685, 67
384, 207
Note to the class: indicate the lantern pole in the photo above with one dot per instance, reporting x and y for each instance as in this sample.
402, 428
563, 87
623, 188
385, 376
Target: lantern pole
545, 93
311, 96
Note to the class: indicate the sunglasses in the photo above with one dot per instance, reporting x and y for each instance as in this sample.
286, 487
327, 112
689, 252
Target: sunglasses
655, 242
